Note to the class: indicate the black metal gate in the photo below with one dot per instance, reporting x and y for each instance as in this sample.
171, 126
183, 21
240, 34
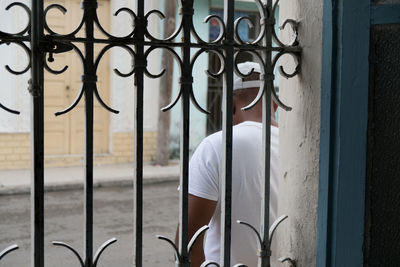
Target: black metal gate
40, 43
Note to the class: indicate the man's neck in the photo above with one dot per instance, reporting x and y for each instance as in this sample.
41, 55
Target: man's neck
273, 121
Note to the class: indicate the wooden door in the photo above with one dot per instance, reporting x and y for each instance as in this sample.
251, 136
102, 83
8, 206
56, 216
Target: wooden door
65, 134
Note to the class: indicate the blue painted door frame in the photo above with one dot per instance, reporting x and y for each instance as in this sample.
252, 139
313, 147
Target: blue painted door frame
344, 116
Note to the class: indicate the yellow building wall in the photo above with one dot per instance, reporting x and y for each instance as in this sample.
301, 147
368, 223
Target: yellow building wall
15, 151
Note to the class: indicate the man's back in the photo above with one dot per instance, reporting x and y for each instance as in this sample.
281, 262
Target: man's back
247, 164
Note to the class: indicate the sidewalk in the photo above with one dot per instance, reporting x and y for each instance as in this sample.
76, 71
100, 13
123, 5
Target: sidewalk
19, 181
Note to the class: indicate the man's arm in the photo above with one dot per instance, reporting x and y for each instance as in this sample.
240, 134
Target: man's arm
200, 213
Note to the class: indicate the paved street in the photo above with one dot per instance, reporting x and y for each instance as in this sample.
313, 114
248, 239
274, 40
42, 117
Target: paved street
112, 218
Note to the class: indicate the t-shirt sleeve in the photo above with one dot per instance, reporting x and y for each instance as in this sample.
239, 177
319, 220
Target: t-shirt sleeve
204, 172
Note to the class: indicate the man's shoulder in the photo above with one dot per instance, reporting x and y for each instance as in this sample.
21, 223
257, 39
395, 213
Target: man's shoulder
242, 130
213, 139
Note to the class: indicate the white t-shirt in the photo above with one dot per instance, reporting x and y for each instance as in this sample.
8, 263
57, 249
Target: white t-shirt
247, 164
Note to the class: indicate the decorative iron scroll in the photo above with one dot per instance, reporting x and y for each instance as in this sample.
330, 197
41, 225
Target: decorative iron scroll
41, 42
8, 250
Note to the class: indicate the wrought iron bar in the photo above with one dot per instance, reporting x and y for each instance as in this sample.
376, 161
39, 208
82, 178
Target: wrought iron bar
37, 135
140, 66
227, 122
186, 83
88, 91
268, 84
89, 80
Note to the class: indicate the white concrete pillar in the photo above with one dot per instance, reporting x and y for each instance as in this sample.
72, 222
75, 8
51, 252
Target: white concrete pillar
299, 136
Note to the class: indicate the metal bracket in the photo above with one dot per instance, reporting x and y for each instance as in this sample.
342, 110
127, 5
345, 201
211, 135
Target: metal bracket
34, 89
54, 47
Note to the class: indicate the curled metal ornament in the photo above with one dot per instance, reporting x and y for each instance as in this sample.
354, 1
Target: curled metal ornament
294, 24
258, 59
222, 28
179, 62
161, 16
9, 110
63, 10
101, 249
15, 72
28, 53
149, 51
274, 226
102, 103
73, 105
262, 9
57, 48
52, 48
207, 19
79, 96
210, 263
28, 12
7, 250
126, 48
250, 23
296, 58
124, 9
196, 236
173, 103
83, 87
191, 93
65, 245
169, 241
193, 61
96, 256
56, 72
178, 257
263, 247
221, 70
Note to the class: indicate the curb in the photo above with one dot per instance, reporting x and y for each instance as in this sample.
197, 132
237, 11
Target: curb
18, 190
153, 176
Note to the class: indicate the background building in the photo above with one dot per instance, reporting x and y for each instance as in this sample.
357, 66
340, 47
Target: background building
113, 136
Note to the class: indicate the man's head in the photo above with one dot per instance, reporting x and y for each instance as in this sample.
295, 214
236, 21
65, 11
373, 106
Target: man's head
245, 91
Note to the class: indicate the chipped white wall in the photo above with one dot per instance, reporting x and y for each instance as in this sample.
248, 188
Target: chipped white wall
13, 89
14, 93
299, 137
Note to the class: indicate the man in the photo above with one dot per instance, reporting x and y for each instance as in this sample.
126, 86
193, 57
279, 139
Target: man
247, 161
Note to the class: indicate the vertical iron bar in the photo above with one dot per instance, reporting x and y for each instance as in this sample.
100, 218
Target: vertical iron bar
186, 82
89, 80
264, 261
140, 65
37, 136
227, 95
